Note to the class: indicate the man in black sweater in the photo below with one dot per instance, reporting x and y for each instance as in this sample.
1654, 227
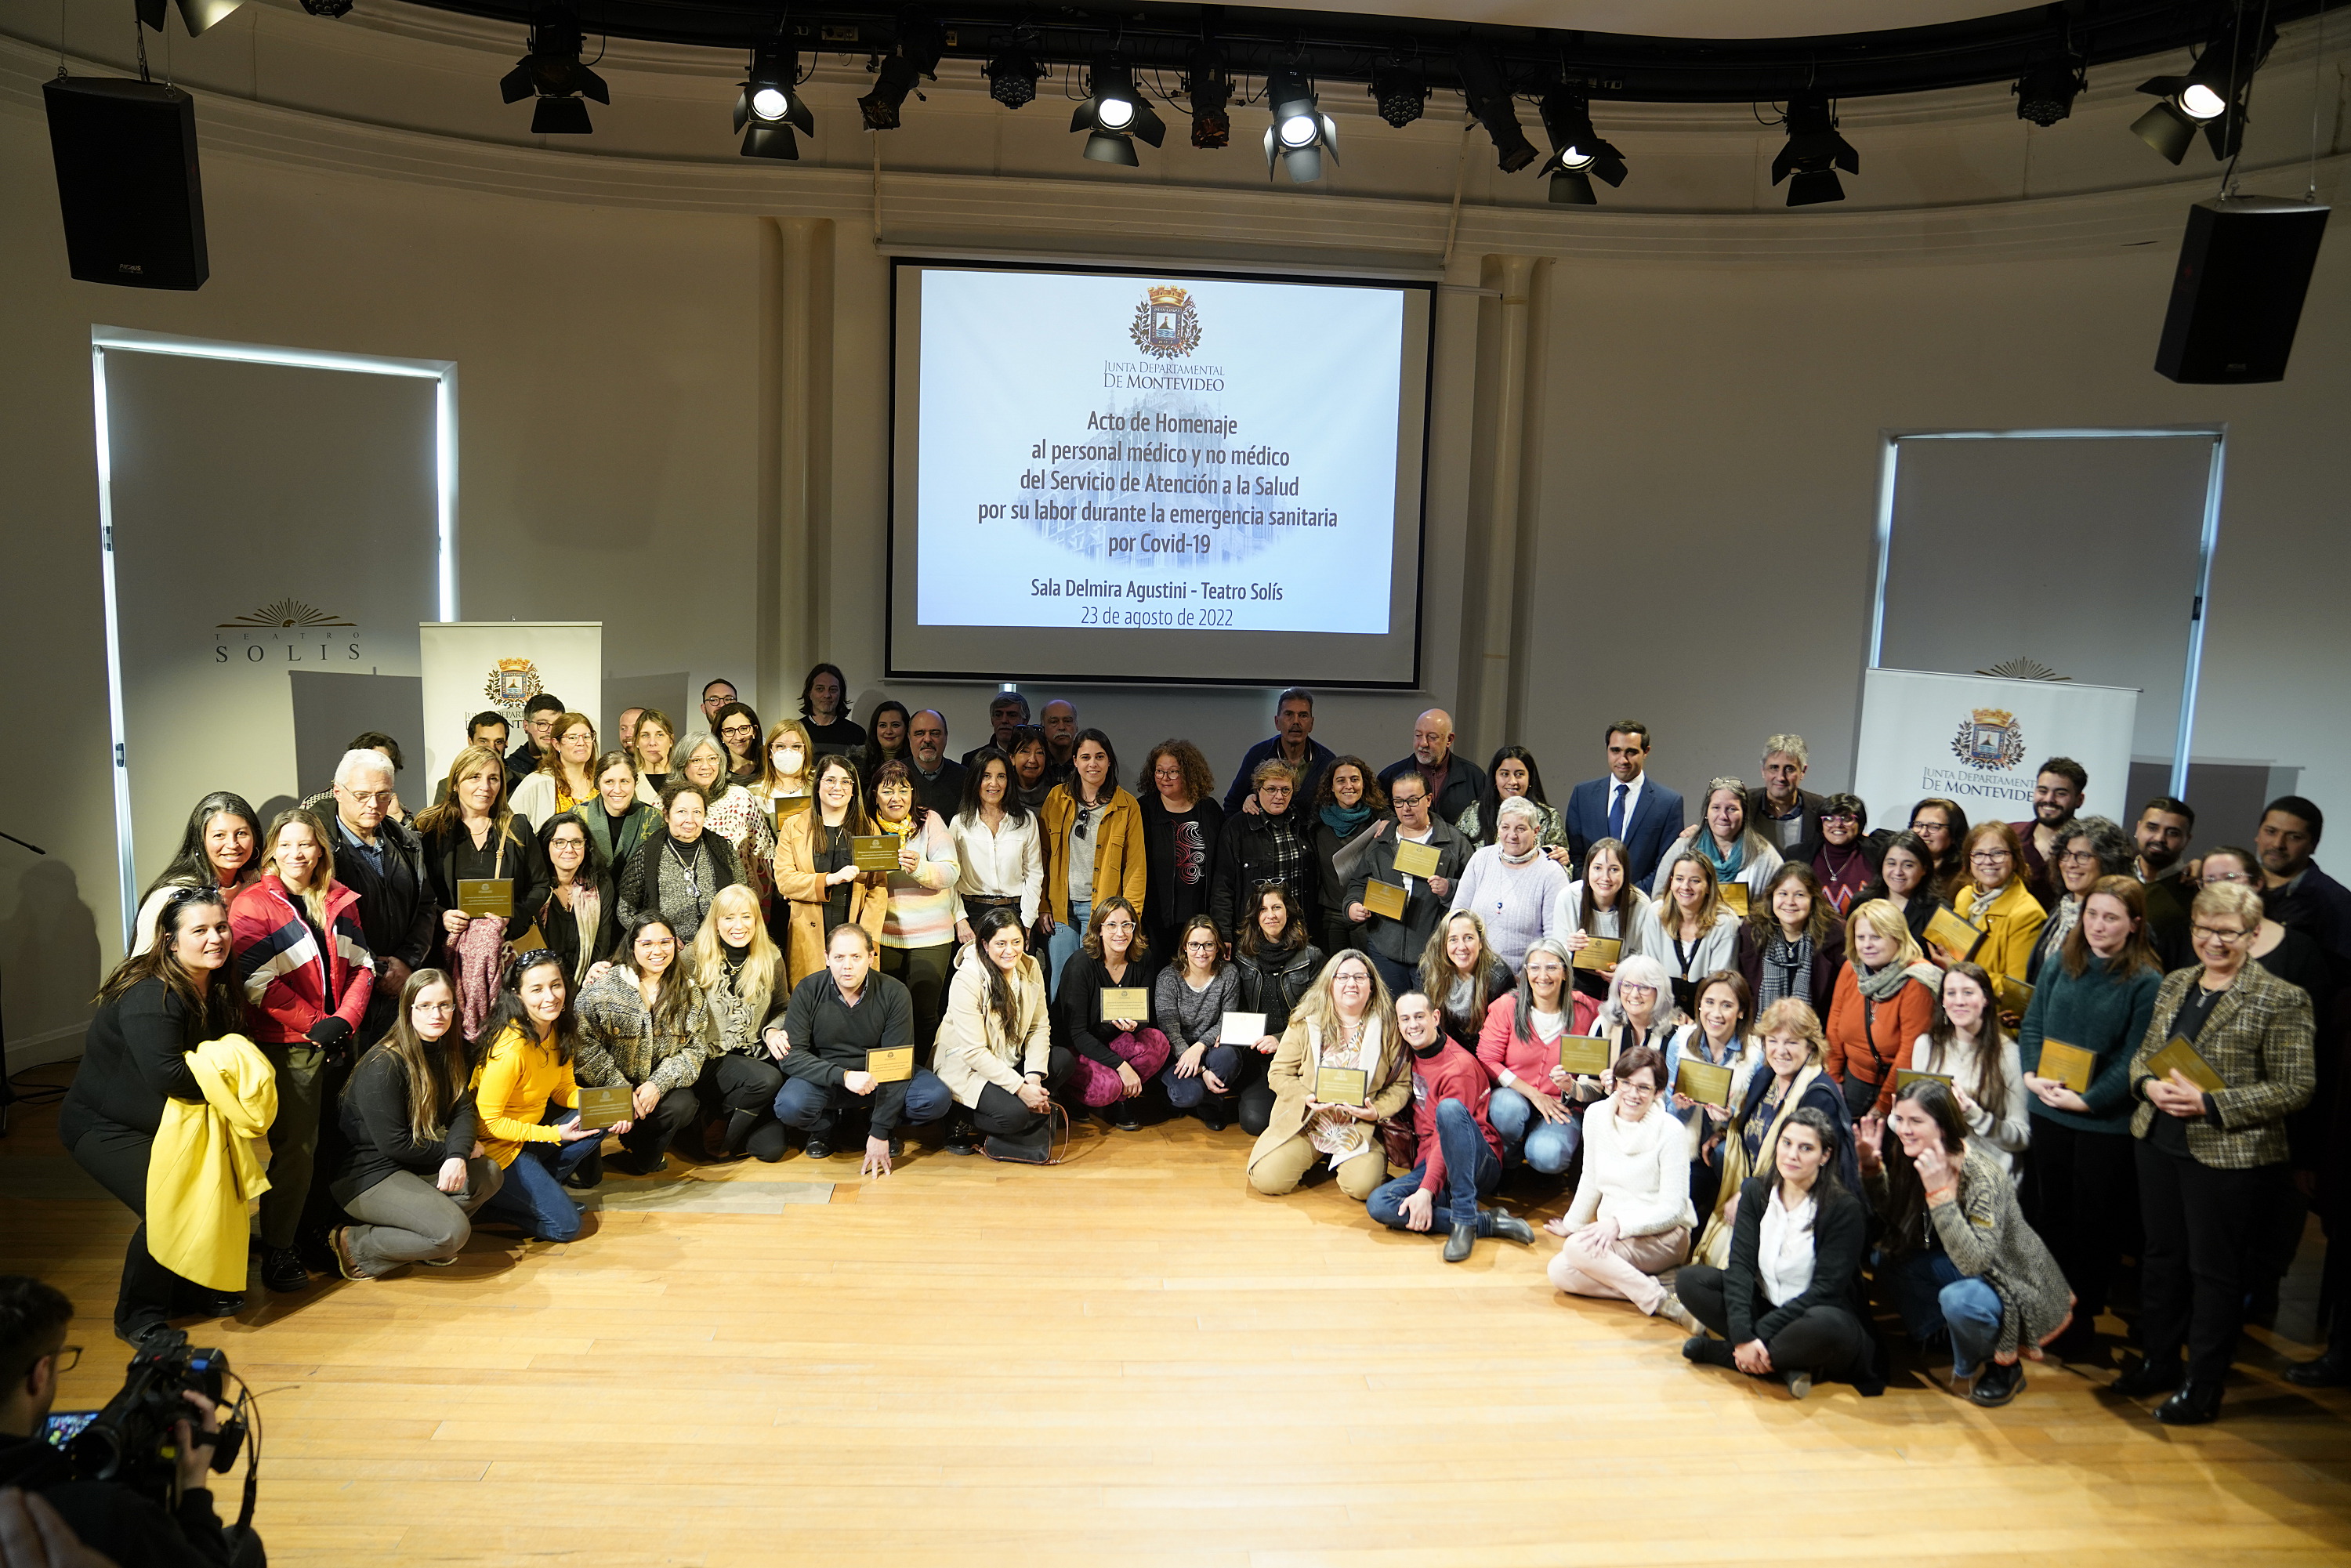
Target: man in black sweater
127, 1525
938, 783
836, 1017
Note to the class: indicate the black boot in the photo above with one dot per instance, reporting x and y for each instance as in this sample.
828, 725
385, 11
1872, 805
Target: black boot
1705, 1350
1997, 1384
2151, 1376
2196, 1404
1217, 1113
736, 1143
1457, 1245
282, 1270
2331, 1368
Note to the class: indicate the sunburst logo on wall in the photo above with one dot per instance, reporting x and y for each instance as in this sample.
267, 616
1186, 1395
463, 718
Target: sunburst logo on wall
287, 614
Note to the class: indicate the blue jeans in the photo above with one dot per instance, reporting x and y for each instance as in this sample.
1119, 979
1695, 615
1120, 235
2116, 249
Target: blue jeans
1933, 1298
1471, 1172
533, 1195
1401, 977
1068, 936
1546, 1146
810, 1107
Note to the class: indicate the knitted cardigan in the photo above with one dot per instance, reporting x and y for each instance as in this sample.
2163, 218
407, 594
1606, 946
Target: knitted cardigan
1983, 1229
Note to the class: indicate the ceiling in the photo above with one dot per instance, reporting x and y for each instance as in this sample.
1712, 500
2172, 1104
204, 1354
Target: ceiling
1686, 18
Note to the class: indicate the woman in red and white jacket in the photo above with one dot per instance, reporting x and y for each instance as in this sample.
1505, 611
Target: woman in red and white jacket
303, 964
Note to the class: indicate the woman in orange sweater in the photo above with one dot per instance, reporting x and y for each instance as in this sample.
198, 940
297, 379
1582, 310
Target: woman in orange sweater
1885, 1000
529, 1102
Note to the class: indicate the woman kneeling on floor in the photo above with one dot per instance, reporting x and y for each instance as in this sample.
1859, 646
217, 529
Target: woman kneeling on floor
1954, 1257
1347, 1021
1790, 1304
1632, 1218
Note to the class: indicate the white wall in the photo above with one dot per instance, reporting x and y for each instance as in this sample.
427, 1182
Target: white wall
1712, 382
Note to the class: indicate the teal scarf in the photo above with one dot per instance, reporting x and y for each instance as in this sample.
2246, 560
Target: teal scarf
1344, 821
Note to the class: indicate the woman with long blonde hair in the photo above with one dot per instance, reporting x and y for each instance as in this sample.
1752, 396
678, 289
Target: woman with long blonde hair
1346, 1021
740, 971
471, 835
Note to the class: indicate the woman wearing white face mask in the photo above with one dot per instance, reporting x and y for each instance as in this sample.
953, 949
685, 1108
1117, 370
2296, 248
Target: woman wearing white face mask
787, 772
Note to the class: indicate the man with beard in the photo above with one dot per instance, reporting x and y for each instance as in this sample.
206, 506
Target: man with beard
2296, 892
938, 783
1292, 741
1454, 782
1008, 712
2164, 826
2058, 788
1060, 719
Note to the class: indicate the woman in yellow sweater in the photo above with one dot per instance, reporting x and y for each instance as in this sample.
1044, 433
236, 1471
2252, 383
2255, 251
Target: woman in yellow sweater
1997, 903
529, 1102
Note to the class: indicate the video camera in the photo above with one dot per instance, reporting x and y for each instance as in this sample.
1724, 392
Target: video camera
131, 1440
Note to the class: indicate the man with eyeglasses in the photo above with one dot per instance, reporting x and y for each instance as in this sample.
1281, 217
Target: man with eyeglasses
1454, 782
538, 716
382, 862
1395, 945
2058, 789
76, 1521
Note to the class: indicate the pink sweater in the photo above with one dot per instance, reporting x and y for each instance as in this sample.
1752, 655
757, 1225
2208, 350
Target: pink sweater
1499, 1046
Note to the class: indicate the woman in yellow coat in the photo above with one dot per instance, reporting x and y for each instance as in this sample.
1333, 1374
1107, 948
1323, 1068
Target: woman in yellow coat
1092, 832
1997, 903
1346, 1021
818, 886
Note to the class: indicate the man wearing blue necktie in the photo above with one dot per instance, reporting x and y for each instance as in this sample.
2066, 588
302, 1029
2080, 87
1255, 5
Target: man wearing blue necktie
1627, 805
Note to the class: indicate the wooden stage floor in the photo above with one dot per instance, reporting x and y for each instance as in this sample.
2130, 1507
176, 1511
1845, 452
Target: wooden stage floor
1131, 1359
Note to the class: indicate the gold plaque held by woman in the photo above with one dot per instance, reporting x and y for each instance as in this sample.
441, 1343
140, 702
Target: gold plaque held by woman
1599, 953
603, 1107
1586, 1055
1415, 859
1130, 1002
875, 851
1384, 898
1342, 1085
2066, 1064
1704, 1081
486, 895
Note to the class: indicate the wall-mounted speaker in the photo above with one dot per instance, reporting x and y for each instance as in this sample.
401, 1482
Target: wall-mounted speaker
2236, 299
126, 156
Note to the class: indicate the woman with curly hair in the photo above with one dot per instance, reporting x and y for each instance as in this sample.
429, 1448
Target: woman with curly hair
1181, 824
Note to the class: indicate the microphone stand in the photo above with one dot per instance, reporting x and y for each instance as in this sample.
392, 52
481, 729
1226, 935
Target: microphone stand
7, 1086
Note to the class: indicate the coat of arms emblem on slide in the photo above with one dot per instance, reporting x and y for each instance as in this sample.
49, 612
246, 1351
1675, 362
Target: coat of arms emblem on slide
1167, 324
1990, 739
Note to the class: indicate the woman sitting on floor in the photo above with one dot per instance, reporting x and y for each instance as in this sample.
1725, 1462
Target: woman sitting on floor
1632, 1218
1345, 1020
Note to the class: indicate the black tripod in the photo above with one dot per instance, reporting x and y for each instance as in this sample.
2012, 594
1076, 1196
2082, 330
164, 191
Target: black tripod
8, 1095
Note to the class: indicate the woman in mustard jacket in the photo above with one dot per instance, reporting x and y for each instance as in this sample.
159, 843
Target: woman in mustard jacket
1346, 1019
1093, 848
1997, 903
817, 886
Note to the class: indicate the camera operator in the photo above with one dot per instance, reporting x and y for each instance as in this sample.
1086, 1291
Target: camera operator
127, 1525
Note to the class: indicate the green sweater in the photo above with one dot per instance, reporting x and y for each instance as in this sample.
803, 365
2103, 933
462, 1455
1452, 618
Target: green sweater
2100, 1015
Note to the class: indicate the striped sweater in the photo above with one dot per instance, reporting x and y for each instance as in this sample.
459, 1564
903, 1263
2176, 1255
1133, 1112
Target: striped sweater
288, 982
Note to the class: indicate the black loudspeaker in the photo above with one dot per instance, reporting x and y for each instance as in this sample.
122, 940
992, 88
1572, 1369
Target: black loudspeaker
2244, 267
134, 208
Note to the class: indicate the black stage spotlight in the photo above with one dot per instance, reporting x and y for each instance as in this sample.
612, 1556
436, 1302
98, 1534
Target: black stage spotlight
1578, 155
1211, 91
770, 105
1489, 92
2211, 95
1115, 114
1300, 132
1400, 90
1814, 151
2045, 94
553, 72
1012, 74
921, 42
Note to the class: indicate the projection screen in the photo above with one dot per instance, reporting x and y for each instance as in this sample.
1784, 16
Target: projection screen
1155, 476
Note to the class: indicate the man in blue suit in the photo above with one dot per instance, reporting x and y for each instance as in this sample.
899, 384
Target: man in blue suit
1627, 804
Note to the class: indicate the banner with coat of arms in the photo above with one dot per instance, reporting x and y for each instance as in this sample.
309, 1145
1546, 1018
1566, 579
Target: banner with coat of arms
1980, 739
478, 666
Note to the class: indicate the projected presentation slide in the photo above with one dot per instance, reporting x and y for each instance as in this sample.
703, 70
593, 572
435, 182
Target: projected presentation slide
1230, 464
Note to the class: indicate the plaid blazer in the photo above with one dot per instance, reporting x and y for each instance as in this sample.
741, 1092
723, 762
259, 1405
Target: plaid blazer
2260, 1039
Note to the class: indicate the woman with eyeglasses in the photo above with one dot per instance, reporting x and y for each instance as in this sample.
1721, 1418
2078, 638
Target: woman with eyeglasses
1190, 999
737, 729
1732, 850
303, 964
1114, 1058
526, 1102
679, 867
1533, 1106
2088, 848
2098, 999
1998, 901
2292, 954
1094, 849
2210, 1159
1632, 1218
817, 883
1792, 944
1397, 942
1347, 1021
1942, 826
154, 1009
1605, 905
918, 917
735, 816
565, 778
646, 1026
581, 917
413, 1170
220, 848
1848, 859
1272, 846
1182, 822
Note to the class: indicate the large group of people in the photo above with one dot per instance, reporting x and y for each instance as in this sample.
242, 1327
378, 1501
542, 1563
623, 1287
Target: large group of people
1793, 1069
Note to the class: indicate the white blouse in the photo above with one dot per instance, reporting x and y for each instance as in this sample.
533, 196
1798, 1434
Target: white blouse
1783, 1252
1007, 862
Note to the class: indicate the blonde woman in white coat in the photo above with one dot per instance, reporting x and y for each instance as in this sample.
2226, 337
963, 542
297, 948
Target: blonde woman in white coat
1632, 1218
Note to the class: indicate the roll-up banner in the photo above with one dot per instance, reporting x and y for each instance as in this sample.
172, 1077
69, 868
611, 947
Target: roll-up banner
1980, 741
473, 666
